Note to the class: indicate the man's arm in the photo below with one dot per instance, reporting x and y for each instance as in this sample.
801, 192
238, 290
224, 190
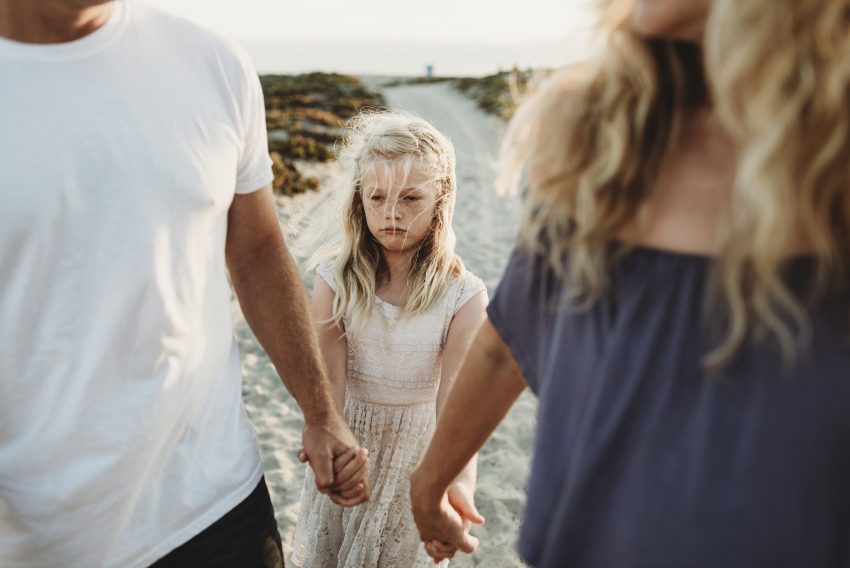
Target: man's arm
274, 302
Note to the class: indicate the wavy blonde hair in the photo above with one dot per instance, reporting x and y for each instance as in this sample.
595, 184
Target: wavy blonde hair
403, 142
592, 139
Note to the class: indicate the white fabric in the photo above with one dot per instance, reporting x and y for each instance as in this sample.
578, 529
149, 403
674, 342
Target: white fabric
122, 429
391, 390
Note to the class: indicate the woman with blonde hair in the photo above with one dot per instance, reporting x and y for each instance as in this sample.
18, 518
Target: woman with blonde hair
678, 301
396, 311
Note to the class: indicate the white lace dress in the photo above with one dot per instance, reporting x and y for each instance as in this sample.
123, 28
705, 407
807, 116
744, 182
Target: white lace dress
390, 395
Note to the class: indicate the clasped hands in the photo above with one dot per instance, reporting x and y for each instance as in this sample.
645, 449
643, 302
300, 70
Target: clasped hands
340, 465
444, 517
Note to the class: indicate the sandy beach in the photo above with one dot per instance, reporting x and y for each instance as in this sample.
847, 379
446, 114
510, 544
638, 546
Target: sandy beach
486, 226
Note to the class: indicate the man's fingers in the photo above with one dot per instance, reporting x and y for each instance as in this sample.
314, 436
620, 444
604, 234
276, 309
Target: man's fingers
302, 455
322, 471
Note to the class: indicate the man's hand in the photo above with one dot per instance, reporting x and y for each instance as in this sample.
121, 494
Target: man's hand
339, 465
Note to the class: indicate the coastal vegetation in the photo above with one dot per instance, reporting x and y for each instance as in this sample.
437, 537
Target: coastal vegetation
304, 117
497, 94
500, 93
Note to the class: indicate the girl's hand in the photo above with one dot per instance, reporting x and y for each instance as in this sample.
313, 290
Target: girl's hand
462, 498
441, 526
350, 482
439, 551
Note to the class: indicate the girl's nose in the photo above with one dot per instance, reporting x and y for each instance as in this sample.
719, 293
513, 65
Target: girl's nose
392, 211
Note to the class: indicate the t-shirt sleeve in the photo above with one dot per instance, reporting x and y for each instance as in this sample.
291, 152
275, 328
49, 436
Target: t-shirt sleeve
517, 310
254, 169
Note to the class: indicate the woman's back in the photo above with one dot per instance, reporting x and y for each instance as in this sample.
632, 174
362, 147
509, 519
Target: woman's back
644, 460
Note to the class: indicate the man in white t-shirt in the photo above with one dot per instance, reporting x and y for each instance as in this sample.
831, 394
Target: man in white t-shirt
134, 175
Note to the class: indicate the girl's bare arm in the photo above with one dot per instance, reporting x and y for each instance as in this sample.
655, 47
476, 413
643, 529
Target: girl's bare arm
488, 385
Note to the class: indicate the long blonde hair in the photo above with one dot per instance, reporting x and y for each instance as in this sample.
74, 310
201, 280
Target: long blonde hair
592, 140
404, 142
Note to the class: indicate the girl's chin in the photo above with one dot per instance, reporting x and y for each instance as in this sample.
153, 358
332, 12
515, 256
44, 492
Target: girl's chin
397, 245
394, 248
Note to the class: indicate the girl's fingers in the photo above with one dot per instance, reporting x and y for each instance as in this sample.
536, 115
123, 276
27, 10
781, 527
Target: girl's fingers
357, 499
354, 491
351, 474
436, 554
443, 547
468, 544
464, 504
344, 459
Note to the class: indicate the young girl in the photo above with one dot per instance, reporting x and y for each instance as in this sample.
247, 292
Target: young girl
396, 312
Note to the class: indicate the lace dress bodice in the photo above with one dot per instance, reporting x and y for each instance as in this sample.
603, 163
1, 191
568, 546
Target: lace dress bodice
393, 375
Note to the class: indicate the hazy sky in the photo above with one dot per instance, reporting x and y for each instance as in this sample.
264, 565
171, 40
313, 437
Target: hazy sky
488, 21
457, 37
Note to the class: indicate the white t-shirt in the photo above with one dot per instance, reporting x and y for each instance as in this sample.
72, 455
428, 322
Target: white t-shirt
122, 429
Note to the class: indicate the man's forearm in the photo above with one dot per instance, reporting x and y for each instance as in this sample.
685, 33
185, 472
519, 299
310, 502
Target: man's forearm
274, 302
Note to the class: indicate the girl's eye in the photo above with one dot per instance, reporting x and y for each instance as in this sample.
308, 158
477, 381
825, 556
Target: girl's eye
377, 197
412, 198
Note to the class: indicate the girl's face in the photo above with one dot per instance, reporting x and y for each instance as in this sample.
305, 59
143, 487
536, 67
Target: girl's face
670, 19
399, 209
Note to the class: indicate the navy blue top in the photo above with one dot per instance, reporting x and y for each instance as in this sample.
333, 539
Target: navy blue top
643, 461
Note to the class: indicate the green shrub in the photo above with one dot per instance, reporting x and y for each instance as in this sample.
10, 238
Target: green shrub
497, 94
299, 147
306, 113
288, 180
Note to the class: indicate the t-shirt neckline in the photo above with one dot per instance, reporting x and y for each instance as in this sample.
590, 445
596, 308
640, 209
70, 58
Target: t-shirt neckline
71, 50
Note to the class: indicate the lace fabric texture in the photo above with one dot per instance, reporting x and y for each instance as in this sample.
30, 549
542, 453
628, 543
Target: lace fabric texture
391, 391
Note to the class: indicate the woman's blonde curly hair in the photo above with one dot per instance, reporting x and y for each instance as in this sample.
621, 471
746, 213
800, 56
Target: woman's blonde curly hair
592, 139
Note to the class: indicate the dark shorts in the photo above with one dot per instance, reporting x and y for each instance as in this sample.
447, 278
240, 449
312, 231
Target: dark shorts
245, 537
